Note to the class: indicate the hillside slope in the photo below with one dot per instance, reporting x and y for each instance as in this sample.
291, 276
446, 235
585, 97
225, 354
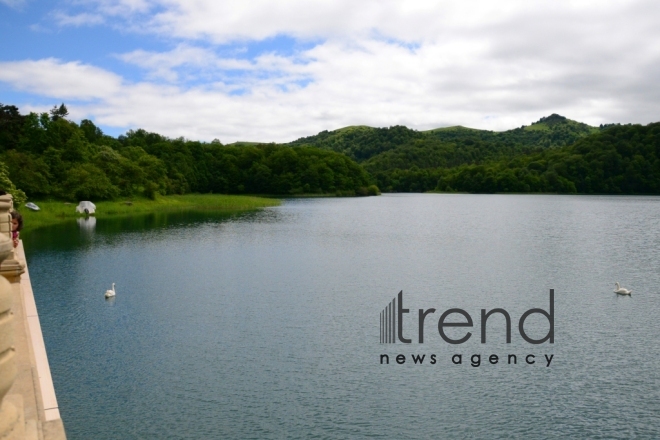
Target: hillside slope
620, 160
548, 132
403, 147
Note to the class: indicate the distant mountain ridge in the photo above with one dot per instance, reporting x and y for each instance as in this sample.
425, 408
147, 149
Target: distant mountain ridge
553, 154
548, 132
362, 143
47, 155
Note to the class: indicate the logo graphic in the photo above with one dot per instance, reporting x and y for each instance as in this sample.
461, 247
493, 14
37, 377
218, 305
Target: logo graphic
388, 322
391, 323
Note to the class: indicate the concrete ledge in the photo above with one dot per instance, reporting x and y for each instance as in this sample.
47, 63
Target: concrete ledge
34, 380
39, 349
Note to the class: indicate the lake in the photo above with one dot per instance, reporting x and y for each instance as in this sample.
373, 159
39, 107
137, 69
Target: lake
267, 324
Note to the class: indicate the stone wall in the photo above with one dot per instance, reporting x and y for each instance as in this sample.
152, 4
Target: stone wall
29, 407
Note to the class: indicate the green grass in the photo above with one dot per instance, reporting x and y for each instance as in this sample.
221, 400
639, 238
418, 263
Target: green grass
537, 127
352, 128
53, 212
245, 144
458, 128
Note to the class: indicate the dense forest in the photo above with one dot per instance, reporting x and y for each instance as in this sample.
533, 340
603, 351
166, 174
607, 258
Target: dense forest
361, 143
468, 145
49, 156
620, 160
553, 154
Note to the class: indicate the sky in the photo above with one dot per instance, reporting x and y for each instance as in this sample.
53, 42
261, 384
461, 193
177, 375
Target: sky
274, 71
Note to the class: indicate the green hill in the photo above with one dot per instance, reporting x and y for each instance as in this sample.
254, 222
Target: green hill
48, 156
469, 145
548, 132
395, 151
361, 142
619, 160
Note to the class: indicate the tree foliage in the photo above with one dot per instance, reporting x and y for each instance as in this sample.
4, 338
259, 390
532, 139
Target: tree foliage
360, 143
7, 186
401, 159
49, 156
59, 112
620, 160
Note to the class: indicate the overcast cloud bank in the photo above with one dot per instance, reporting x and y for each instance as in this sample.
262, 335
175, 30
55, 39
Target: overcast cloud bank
380, 63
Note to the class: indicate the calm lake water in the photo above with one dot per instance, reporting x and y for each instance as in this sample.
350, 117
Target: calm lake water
266, 324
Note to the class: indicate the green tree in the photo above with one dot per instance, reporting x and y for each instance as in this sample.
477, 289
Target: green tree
60, 112
92, 132
87, 182
29, 172
5, 184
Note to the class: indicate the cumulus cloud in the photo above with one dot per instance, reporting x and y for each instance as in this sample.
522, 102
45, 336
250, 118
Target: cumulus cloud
414, 20
54, 78
186, 62
380, 63
165, 64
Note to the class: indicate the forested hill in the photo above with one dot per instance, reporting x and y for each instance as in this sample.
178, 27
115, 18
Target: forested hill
361, 142
623, 159
620, 160
49, 156
465, 159
470, 145
548, 132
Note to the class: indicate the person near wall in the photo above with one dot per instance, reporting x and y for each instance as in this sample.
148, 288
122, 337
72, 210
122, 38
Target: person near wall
16, 226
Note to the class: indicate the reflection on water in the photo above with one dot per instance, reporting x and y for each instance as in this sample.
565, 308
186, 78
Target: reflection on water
87, 230
87, 224
266, 325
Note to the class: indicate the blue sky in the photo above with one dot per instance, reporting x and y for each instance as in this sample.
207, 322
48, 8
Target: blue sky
275, 71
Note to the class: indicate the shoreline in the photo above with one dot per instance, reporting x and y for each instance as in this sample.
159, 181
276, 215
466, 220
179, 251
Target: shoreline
56, 211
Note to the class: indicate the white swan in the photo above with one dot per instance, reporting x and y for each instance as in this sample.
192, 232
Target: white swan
110, 293
620, 290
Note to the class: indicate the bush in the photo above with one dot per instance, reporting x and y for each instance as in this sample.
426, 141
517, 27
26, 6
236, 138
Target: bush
373, 190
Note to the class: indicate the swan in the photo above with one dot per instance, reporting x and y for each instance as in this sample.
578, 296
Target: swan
110, 293
620, 290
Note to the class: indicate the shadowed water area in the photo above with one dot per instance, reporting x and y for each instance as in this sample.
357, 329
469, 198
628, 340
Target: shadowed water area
266, 324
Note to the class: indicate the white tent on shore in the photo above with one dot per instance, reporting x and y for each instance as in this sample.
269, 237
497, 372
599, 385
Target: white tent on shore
86, 207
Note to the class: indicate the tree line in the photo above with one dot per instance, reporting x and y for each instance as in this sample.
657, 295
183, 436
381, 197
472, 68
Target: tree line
553, 154
620, 160
48, 156
624, 159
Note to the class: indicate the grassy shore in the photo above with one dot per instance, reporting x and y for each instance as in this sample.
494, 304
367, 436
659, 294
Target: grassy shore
53, 212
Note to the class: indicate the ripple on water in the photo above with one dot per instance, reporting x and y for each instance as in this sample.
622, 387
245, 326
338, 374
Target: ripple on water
265, 325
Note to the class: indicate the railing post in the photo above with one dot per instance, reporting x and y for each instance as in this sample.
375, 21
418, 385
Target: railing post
9, 414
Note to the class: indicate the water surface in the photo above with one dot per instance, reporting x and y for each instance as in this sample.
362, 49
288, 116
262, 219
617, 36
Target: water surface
266, 324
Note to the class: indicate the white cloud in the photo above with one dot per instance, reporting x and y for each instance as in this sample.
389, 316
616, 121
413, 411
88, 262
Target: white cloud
185, 63
54, 78
164, 65
123, 8
413, 20
380, 63
84, 19
16, 4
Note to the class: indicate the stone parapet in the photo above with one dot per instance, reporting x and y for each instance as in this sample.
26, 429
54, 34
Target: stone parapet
32, 392
28, 407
